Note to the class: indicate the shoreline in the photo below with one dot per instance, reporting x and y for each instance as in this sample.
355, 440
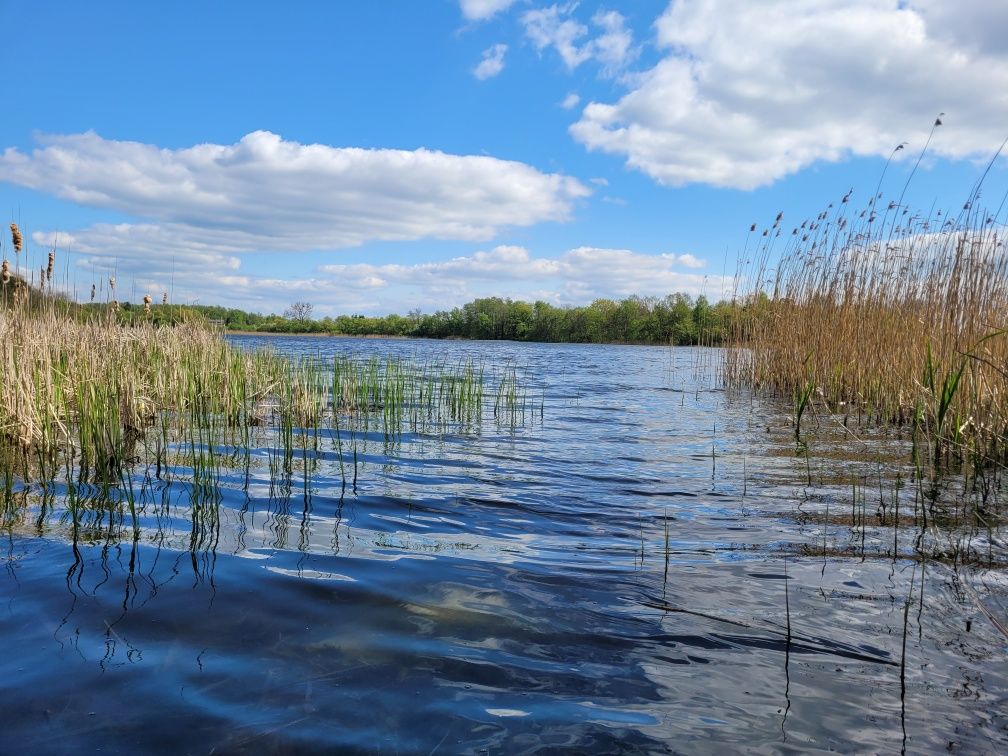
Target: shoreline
374, 336
317, 334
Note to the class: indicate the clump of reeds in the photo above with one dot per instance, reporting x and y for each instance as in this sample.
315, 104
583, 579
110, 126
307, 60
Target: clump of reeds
886, 316
91, 397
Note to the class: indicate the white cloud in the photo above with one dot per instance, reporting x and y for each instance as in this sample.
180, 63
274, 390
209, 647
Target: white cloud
153, 259
549, 27
267, 194
750, 92
492, 62
570, 101
575, 277
480, 10
555, 27
613, 48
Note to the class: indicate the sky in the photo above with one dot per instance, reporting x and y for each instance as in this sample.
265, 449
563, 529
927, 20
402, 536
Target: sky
390, 156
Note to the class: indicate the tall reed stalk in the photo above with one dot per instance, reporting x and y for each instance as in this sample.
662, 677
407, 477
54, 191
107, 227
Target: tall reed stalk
884, 315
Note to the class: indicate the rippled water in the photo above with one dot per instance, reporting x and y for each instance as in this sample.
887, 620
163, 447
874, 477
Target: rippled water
632, 570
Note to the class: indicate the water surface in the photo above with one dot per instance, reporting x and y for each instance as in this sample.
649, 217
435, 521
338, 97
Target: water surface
638, 564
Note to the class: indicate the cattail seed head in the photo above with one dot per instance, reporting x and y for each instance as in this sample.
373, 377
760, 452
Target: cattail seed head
111, 283
5, 272
51, 265
92, 292
147, 303
16, 237
164, 298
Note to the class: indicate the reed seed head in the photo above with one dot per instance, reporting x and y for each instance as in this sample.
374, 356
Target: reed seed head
16, 237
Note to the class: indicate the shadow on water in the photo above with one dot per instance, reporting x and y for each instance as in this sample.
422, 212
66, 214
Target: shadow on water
619, 574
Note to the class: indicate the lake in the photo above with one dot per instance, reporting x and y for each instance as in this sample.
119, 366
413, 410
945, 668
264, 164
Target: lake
638, 562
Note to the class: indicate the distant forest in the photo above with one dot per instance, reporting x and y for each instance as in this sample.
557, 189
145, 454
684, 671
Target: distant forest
675, 319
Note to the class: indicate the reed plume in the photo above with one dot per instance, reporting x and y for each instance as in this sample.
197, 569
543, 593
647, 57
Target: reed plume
16, 237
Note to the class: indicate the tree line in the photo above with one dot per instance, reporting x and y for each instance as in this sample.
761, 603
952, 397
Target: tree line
674, 319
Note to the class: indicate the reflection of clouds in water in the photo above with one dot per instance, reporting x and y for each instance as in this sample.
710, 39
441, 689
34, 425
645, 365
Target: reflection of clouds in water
510, 585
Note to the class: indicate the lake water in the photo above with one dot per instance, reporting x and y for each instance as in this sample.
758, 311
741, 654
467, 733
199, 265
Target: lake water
643, 563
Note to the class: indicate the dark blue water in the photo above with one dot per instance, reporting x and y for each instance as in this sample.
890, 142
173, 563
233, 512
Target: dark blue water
640, 567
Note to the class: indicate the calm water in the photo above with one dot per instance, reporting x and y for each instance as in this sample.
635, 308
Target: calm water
633, 570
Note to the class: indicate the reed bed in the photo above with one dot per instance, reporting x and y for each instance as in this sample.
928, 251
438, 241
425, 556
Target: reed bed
91, 399
884, 316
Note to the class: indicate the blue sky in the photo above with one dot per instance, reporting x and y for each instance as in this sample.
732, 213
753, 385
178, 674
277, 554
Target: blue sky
379, 157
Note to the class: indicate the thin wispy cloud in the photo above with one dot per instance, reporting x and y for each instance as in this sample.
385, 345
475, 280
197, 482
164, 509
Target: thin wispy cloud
749, 92
556, 27
481, 10
492, 62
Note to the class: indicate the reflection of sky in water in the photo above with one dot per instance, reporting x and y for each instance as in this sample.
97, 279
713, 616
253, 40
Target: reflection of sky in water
608, 576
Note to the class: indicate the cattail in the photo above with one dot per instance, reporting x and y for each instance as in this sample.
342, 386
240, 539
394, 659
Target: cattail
92, 292
15, 233
111, 283
147, 303
164, 298
115, 305
41, 279
51, 265
6, 271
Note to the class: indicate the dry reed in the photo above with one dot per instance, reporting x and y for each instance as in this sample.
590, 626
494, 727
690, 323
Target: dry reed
884, 315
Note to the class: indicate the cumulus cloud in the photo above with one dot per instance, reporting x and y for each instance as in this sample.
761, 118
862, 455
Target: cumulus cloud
267, 194
749, 92
151, 259
555, 27
480, 10
570, 101
492, 62
575, 277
